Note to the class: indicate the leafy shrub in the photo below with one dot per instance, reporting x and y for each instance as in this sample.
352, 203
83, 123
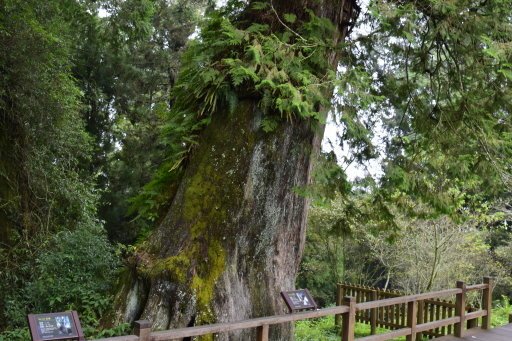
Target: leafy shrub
74, 272
500, 312
21, 334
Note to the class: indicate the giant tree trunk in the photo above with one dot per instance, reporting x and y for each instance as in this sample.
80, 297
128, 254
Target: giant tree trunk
234, 234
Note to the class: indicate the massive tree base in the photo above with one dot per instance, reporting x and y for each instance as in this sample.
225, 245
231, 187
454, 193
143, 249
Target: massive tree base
234, 235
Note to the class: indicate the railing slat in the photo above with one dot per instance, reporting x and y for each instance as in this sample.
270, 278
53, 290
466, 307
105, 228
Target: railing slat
476, 287
475, 315
406, 299
436, 324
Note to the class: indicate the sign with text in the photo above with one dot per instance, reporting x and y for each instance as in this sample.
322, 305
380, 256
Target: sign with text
298, 300
55, 326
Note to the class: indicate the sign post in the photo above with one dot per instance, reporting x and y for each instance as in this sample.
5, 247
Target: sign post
55, 326
298, 300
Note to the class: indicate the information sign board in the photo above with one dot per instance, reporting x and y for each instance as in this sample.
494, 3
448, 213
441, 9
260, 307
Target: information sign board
297, 300
55, 326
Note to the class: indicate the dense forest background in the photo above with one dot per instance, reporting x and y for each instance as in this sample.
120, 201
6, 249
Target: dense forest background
92, 145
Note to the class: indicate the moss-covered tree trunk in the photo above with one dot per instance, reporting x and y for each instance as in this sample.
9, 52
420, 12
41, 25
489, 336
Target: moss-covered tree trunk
234, 234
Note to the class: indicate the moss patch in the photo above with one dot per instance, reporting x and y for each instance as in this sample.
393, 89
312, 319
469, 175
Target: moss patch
213, 188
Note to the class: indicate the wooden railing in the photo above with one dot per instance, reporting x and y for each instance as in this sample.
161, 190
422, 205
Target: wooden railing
348, 312
395, 316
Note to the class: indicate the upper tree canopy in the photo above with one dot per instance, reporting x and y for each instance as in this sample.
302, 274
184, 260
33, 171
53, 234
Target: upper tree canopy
436, 75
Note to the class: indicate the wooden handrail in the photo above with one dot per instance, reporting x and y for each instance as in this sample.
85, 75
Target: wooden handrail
245, 324
477, 287
406, 299
348, 310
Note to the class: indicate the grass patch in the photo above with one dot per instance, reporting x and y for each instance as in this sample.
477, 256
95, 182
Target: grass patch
323, 329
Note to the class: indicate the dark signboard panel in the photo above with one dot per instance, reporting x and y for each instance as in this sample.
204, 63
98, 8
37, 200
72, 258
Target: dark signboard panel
297, 300
55, 326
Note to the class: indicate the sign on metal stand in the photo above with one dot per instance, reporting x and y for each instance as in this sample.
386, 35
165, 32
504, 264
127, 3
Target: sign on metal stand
55, 326
298, 300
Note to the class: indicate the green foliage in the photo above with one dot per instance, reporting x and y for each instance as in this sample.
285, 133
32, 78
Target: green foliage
74, 272
500, 312
126, 64
44, 149
289, 76
336, 250
21, 334
121, 329
434, 74
324, 329
82, 256
316, 329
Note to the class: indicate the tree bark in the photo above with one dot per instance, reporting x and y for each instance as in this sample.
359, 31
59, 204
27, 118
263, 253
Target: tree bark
234, 234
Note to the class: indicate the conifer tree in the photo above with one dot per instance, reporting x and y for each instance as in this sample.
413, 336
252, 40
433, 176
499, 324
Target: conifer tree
249, 104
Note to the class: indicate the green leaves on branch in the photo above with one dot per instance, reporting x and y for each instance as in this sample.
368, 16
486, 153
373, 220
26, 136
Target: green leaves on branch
444, 70
288, 75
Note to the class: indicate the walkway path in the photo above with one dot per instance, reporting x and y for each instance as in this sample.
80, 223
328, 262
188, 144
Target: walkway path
495, 334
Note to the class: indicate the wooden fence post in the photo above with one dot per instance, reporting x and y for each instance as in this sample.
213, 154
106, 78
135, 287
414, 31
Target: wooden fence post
262, 333
487, 303
460, 309
349, 319
412, 312
421, 309
142, 329
373, 314
340, 292
510, 318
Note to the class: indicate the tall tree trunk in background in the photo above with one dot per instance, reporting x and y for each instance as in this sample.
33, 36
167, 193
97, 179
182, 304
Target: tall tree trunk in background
235, 223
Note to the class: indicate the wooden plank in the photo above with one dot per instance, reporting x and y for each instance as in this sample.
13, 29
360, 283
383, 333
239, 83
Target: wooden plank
443, 316
476, 314
476, 287
451, 312
420, 319
404, 315
441, 303
478, 334
435, 324
397, 316
438, 317
373, 314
